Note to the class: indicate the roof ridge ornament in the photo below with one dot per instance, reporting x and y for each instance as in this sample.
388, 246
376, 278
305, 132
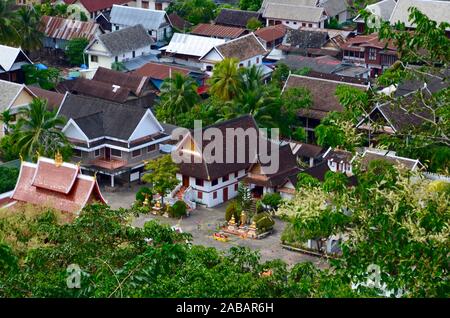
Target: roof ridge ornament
58, 159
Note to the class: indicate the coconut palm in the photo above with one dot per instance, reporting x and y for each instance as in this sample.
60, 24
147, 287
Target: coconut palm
178, 95
8, 34
37, 131
226, 82
27, 26
251, 77
6, 117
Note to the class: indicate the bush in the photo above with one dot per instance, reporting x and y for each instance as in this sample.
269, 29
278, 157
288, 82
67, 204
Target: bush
140, 195
7, 150
233, 209
264, 222
8, 178
178, 210
272, 199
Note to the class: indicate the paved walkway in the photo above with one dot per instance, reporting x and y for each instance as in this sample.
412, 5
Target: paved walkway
203, 222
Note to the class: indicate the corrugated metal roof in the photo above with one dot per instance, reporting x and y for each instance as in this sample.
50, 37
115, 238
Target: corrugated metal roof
66, 29
188, 44
150, 19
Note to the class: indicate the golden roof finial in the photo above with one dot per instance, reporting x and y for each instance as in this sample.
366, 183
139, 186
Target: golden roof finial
58, 159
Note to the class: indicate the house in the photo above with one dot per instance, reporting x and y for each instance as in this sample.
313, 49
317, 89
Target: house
438, 11
59, 31
11, 61
370, 154
370, 52
295, 15
155, 22
218, 31
103, 20
236, 18
187, 49
55, 184
54, 99
119, 47
322, 88
158, 72
271, 36
111, 139
248, 50
155, 4
260, 182
379, 11
179, 23
307, 154
212, 183
92, 8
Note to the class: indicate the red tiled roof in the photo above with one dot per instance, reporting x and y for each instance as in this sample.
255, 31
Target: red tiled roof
54, 99
219, 31
371, 40
66, 29
159, 71
38, 184
97, 5
271, 33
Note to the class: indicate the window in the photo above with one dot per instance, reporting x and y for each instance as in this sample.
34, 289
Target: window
236, 186
116, 59
304, 24
215, 195
209, 68
151, 148
225, 178
257, 60
94, 58
199, 182
97, 153
372, 54
117, 27
249, 63
287, 22
116, 153
215, 182
236, 174
199, 195
310, 25
295, 22
134, 54
77, 153
136, 153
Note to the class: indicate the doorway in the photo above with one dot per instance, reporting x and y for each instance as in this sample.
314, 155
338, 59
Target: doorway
225, 194
107, 153
186, 181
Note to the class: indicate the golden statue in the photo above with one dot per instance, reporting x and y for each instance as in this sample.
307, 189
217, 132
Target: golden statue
232, 221
243, 218
58, 159
253, 225
145, 203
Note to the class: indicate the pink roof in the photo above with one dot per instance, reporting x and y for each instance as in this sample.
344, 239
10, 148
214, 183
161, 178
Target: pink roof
97, 5
39, 184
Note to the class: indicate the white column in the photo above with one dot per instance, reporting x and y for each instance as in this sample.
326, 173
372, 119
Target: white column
112, 181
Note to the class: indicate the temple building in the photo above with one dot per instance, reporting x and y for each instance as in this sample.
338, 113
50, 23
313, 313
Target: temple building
54, 184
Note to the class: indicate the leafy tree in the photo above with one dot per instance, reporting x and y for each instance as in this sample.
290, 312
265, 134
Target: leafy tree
75, 51
280, 75
118, 66
225, 83
27, 24
194, 11
273, 200
178, 96
162, 175
306, 180
38, 131
244, 197
8, 32
8, 151
8, 178
250, 5
47, 78
299, 134
254, 24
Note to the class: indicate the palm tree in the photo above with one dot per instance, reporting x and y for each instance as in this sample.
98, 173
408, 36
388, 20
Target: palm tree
6, 117
225, 82
27, 26
37, 131
252, 78
178, 95
8, 34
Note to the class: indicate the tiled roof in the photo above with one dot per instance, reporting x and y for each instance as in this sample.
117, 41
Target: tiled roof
54, 99
66, 29
178, 22
97, 5
218, 31
101, 90
126, 40
324, 64
271, 33
60, 187
159, 71
370, 155
237, 18
242, 48
359, 43
8, 93
293, 12
135, 83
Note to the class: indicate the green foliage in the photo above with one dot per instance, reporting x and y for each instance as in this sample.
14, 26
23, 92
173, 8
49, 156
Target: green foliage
250, 5
194, 11
335, 181
300, 134
8, 151
178, 209
233, 210
244, 197
47, 79
118, 66
83, 16
306, 180
225, 83
75, 51
273, 200
8, 178
333, 24
142, 193
162, 175
264, 222
295, 98
254, 24
280, 75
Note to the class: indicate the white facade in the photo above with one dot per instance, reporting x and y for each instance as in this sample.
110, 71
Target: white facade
158, 35
297, 24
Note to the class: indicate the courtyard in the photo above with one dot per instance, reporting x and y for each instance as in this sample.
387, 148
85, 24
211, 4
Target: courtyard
203, 222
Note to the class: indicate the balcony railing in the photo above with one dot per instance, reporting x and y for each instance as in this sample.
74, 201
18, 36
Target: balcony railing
110, 164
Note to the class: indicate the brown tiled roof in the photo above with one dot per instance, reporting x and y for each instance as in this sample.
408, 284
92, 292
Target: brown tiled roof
159, 71
66, 29
218, 31
62, 188
134, 83
237, 18
100, 90
242, 48
97, 5
178, 22
271, 33
369, 156
54, 99
359, 42
322, 92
